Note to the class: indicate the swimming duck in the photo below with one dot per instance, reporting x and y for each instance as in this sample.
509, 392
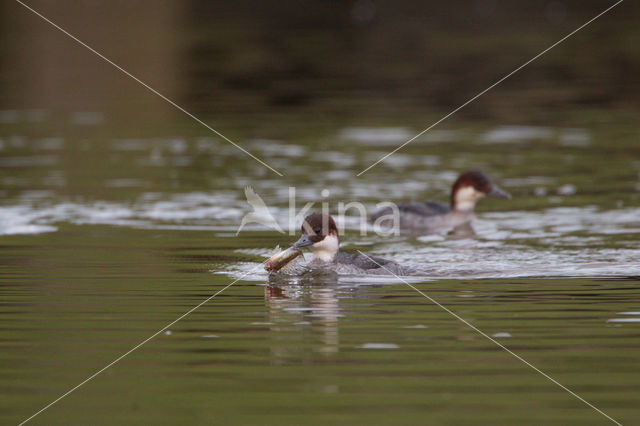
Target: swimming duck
431, 216
320, 234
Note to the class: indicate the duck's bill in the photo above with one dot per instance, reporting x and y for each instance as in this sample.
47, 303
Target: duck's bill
279, 260
304, 241
498, 192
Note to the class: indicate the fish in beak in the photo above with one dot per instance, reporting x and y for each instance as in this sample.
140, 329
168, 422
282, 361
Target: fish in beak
281, 259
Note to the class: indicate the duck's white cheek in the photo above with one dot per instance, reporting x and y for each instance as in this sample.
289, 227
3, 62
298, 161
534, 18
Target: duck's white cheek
326, 249
466, 198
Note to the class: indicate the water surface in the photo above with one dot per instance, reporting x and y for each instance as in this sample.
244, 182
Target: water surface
106, 242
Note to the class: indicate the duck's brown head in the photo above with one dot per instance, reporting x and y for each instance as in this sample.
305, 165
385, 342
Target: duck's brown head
470, 187
320, 234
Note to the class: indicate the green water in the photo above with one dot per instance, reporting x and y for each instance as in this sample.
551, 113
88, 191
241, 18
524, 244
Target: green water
76, 299
118, 214
126, 248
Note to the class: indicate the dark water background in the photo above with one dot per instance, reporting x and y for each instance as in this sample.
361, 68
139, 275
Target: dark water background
118, 213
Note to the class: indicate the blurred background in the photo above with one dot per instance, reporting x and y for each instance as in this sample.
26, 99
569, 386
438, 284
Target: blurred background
337, 60
278, 77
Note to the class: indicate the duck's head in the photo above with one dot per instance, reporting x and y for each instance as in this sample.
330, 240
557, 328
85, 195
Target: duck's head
471, 187
320, 234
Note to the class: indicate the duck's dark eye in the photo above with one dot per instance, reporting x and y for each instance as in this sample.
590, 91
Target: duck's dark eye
317, 230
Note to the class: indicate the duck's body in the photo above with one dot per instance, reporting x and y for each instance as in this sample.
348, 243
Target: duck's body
432, 216
320, 234
429, 215
358, 264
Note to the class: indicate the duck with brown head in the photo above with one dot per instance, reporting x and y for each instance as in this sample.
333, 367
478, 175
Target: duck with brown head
320, 234
432, 216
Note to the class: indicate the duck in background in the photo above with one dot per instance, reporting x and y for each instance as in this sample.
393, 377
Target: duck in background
434, 216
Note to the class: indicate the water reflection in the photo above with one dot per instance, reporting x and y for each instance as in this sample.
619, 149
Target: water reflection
307, 314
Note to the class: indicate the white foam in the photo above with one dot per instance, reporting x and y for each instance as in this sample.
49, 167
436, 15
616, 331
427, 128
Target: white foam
378, 136
510, 134
379, 346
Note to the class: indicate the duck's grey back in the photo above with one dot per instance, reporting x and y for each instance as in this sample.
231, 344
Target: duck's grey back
355, 262
426, 209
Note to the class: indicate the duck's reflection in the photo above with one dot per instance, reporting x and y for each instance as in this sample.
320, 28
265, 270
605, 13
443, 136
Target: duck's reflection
304, 322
